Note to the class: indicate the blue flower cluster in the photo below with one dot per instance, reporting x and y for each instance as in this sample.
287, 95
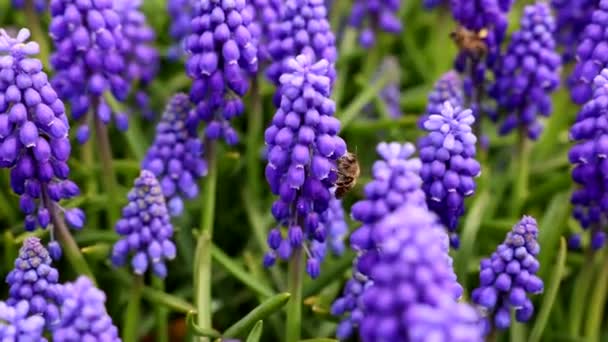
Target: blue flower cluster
266, 14
16, 324
529, 72
509, 274
222, 56
39, 5
145, 228
176, 156
180, 12
372, 15
571, 17
34, 141
449, 167
448, 88
303, 146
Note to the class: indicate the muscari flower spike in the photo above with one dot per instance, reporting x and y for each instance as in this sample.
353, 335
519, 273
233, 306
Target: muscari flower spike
395, 181
17, 324
448, 88
83, 314
181, 13
141, 57
449, 167
266, 14
413, 293
370, 16
222, 56
591, 55
145, 228
302, 28
303, 146
39, 5
571, 18
509, 275
176, 156
88, 60
589, 156
34, 281
529, 73
430, 4
34, 141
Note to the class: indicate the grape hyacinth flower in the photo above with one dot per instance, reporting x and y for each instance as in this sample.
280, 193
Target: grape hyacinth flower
413, 279
34, 141
395, 181
303, 146
176, 156
16, 324
430, 4
266, 13
591, 55
88, 60
588, 156
509, 275
571, 18
83, 314
370, 16
448, 88
181, 13
449, 167
145, 228
34, 280
39, 5
141, 58
302, 28
529, 73
336, 230
222, 56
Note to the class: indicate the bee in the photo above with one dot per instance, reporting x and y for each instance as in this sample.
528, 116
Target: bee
471, 42
348, 172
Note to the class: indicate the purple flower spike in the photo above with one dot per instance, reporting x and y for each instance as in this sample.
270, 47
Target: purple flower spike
449, 167
413, 292
529, 73
181, 13
375, 15
509, 275
430, 4
176, 156
303, 146
572, 16
145, 229
83, 314
302, 28
448, 88
591, 55
34, 280
34, 141
17, 324
266, 15
222, 56
88, 59
39, 5
588, 156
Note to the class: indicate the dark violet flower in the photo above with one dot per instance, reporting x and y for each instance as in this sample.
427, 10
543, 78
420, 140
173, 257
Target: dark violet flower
87, 59
181, 13
571, 16
589, 155
336, 230
302, 28
412, 279
34, 280
222, 56
176, 156
591, 55
303, 146
529, 73
430, 4
83, 314
17, 324
371, 16
39, 5
34, 141
145, 229
449, 167
448, 88
509, 275
266, 13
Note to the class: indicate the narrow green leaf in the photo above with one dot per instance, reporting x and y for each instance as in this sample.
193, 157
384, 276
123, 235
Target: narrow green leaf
239, 273
595, 309
580, 293
322, 339
198, 331
551, 228
557, 273
263, 310
256, 332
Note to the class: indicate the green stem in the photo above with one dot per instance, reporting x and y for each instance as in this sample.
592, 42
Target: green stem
202, 256
108, 175
596, 303
131, 319
38, 34
161, 313
522, 170
357, 105
238, 272
580, 293
261, 312
294, 307
254, 131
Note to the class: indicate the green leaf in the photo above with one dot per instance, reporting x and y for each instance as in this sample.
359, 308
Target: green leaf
595, 309
262, 311
322, 339
256, 333
557, 273
551, 229
198, 331
578, 298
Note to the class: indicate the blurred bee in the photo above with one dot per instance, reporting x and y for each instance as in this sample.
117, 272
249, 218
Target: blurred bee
471, 42
348, 173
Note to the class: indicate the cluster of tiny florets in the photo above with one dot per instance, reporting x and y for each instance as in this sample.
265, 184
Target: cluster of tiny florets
372, 15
